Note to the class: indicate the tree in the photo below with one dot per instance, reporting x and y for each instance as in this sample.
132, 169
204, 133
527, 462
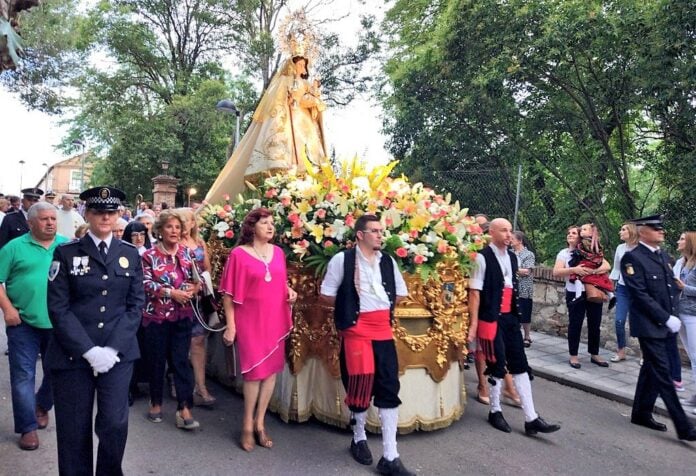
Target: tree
556, 85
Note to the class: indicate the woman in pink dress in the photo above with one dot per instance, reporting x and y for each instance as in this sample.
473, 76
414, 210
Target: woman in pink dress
257, 301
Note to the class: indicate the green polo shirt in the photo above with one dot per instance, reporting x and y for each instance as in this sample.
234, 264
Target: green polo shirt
24, 265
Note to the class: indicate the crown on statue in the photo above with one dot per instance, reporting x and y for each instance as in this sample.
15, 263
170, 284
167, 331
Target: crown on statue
298, 37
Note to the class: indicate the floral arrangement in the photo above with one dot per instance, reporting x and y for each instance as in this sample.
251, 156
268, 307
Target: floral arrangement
315, 215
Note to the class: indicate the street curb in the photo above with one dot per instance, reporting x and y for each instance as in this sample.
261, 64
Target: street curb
659, 407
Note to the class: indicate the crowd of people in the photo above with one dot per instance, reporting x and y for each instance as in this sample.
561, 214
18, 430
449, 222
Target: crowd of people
107, 300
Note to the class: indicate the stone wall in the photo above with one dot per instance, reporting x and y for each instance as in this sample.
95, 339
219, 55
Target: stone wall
550, 315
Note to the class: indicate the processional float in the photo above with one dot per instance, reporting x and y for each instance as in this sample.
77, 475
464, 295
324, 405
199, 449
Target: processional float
281, 164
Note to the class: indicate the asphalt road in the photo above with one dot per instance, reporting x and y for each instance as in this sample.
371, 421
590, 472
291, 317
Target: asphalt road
596, 438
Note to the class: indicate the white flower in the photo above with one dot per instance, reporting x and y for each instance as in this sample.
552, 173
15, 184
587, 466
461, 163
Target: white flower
221, 227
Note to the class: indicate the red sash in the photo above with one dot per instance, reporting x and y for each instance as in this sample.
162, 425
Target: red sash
360, 359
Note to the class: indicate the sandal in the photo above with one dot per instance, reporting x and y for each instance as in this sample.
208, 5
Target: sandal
527, 342
203, 400
262, 439
246, 441
186, 423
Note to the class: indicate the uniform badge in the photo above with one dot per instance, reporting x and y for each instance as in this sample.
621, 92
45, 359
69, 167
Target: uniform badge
629, 269
75, 266
104, 193
123, 261
53, 270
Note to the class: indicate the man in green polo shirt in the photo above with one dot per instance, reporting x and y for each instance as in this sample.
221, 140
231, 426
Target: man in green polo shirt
24, 266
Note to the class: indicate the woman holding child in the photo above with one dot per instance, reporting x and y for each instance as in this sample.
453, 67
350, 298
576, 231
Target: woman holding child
575, 271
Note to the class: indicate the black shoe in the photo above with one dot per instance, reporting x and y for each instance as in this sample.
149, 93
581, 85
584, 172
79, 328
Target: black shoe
540, 426
395, 467
689, 436
649, 422
575, 365
131, 399
601, 363
612, 303
361, 452
497, 421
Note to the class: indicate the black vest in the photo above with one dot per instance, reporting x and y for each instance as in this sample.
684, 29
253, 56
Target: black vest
347, 307
493, 284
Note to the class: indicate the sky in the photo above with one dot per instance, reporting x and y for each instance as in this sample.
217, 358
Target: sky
32, 136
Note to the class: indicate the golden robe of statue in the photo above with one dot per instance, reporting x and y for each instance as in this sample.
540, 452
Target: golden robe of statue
286, 125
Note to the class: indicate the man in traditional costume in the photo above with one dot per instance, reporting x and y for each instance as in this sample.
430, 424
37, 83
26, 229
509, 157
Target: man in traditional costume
493, 310
364, 285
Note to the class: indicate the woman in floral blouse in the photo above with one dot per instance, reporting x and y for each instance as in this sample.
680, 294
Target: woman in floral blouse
526, 282
169, 288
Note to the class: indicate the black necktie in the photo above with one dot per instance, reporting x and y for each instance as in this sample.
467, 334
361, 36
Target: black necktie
102, 250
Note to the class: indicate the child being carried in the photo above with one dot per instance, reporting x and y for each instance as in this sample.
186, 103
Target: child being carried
589, 254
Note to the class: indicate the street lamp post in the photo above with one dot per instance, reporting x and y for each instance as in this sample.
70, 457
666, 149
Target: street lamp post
21, 173
79, 143
191, 191
228, 106
46, 186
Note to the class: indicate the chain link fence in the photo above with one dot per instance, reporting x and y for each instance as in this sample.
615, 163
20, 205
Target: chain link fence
542, 209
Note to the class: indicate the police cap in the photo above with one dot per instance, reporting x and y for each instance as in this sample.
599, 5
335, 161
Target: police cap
653, 221
32, 193
50, 194
103, 198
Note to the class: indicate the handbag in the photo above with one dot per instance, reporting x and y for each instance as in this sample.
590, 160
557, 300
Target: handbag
594, 294
206, 304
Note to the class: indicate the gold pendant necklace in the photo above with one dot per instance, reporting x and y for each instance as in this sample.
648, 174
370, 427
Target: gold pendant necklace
267, 276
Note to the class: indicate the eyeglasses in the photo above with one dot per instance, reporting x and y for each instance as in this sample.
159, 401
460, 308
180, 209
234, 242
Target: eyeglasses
374, 231
138, 234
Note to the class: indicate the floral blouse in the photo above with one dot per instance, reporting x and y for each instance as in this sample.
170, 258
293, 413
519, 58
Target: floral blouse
161, 270
525, 259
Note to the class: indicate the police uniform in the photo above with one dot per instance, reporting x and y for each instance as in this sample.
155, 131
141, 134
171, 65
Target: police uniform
649, 280
15, 224
94, 302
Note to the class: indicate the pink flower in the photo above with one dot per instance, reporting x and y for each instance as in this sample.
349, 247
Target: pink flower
450, 228
304, 244
227, 208
330, 197
350, 220
413, 233
418, 259
442, 247
271, 192
285, 201
475, 229
221, 213
226, 197
229, 234
388, 221
401, 252
294, 218
427, 203
473, 255
321, 213
328, 243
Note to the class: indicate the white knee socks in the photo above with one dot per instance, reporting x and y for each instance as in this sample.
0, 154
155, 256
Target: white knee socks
359, 427
390, 420
524, 388
495, 395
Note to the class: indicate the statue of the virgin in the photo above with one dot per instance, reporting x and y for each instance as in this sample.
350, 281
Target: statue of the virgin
287, 124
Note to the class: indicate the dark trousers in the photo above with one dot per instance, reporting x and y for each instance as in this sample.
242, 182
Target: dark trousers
509, 349
654, 379
169, 340
385, 389
674, 358
73, 395
577, 309
525, 306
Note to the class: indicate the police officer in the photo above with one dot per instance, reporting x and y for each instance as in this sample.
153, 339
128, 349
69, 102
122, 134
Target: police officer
649, 280
15, 224
95, 298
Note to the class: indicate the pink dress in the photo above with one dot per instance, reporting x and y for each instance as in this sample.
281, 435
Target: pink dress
261, 311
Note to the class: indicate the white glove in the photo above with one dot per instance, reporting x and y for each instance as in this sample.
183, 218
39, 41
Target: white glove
101, 358
673, 323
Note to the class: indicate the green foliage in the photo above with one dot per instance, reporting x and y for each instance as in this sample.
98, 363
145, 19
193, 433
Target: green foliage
580, 93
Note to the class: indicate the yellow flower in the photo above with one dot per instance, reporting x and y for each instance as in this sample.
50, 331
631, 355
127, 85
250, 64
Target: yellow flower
304, 207
419, 221
317, 231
